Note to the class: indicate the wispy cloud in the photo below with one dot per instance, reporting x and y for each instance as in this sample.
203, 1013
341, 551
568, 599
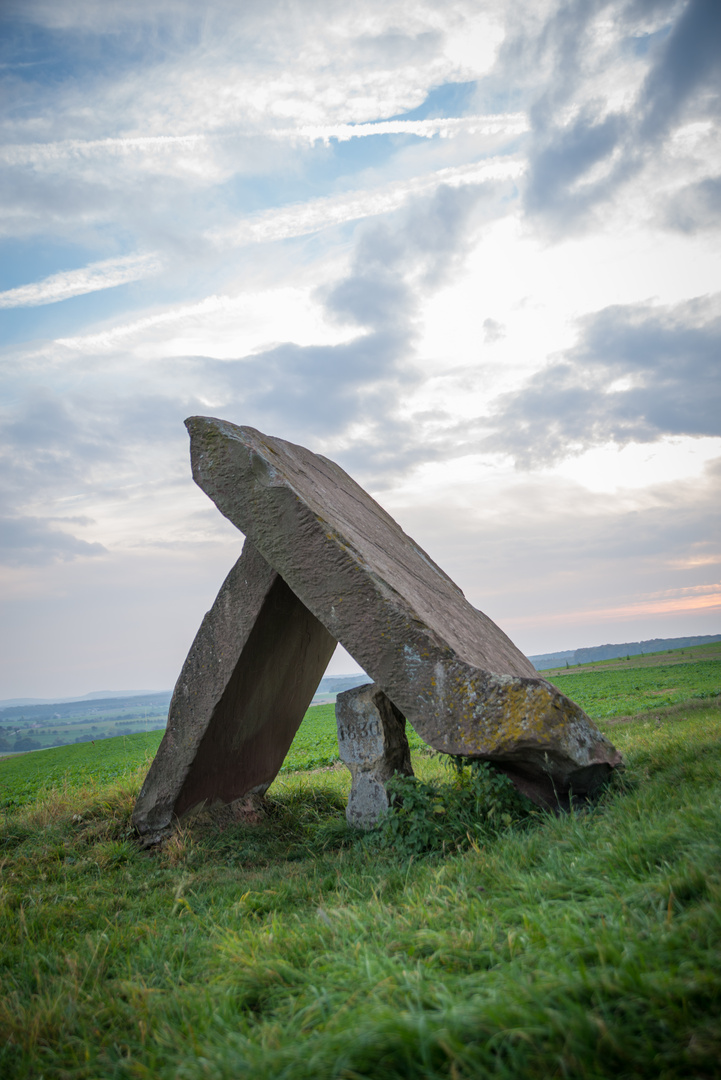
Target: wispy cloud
107, 340
301, 219
52, 153
100, 275
446, 127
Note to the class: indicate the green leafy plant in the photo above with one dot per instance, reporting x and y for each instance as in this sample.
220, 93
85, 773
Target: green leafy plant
477, 803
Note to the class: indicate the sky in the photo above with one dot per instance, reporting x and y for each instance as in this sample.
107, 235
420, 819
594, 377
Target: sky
468, 249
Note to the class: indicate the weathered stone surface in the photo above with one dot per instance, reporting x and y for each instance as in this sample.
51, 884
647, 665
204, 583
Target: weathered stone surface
446, 666
245, 686
372, 742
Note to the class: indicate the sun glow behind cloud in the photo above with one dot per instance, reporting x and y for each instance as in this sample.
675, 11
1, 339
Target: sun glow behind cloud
704, 598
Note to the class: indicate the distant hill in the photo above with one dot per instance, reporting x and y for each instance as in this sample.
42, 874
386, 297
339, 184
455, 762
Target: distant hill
541, 661
40, 709
336, 684
6, 703
91, 705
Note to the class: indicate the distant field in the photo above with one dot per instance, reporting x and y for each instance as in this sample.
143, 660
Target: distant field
81, 722
69, 728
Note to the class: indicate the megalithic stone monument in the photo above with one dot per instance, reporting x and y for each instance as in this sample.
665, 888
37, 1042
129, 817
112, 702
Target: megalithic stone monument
323, 562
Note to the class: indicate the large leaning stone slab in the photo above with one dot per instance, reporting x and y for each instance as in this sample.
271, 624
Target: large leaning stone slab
372, 743
446, 666
245, 686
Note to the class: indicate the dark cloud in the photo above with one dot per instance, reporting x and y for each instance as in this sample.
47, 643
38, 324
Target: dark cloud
78, 445
564, 158
639, 373
32, 541
53, 440
49, 442
688, 64
696, 207
313, 388
396, 263
375, 296
576, 166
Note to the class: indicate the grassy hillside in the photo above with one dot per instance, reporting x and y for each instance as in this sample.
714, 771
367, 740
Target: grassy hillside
620, 691
585, 945
689, 655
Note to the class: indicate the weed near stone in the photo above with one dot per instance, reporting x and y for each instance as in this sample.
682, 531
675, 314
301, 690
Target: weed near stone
474, 804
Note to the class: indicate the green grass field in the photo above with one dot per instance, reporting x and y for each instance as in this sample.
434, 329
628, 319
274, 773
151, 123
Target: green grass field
586, 945
608, 692
25, 777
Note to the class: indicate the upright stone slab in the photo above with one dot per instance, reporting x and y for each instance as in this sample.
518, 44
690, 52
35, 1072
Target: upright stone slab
446, 666
372, 743
245, 686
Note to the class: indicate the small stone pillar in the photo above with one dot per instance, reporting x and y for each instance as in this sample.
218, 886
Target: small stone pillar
372, 743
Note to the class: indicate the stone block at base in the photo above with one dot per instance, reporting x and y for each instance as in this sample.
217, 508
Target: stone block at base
372, 743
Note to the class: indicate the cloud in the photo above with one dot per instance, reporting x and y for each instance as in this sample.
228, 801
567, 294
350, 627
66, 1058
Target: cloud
312, 389
100, 275
31, 541
64, 445
301, 219
638, 373
596, 124
94, 432
431, 238
566, 158
695, 208
493, 331
543, 556
221, 68
49, 154
165, 104
446, 127
271, 226
689, 66
358, 384
197, 146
